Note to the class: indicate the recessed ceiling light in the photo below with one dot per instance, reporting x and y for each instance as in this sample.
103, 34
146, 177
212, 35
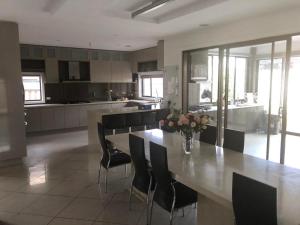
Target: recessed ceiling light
204, 25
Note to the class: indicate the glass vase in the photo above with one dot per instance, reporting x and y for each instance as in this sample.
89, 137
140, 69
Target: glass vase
187, 143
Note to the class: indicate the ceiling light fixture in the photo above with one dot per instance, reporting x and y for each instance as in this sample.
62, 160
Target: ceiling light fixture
151, 7
204, 25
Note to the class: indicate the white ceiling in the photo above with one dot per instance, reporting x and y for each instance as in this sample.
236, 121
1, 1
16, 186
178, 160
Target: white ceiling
107, 24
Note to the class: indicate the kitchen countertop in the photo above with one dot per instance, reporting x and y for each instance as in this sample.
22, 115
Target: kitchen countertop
241, 106
84, 103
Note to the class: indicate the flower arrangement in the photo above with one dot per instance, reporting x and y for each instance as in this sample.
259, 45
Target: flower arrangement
185, 123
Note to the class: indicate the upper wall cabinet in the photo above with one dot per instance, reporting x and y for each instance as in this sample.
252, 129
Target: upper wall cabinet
110, 71
51, 52
32, 52
121, 72
100, 71
126, 70
99, 66
51, 68
64, 53
80, 55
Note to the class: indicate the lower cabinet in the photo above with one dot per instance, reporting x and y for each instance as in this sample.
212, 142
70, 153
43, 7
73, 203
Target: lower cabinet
52, 118
33, 119
72, 116
62, 117
59, 119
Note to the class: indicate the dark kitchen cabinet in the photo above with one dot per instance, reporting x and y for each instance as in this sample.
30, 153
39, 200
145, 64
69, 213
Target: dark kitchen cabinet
64, 71
32, 65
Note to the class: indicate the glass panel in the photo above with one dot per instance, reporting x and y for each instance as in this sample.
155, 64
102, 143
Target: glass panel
240, 79
246, 111
32, 88
157, 87
231, 79
147, 87
203, 82
293, 122
292, 153
276, 101
215, 75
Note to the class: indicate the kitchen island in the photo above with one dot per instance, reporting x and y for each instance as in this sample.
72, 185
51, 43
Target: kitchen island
48, 117
95, 116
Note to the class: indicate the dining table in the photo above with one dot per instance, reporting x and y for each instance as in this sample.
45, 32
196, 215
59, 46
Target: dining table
208, 170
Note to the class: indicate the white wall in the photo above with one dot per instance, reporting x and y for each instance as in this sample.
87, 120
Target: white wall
269, 25
12, 131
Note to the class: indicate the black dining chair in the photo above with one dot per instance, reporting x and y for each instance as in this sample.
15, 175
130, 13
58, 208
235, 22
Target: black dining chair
115, 122
161, 115
149, 120
134, 122
168, 194
253, 202
209, 135
142, 179
111, 157
234, 140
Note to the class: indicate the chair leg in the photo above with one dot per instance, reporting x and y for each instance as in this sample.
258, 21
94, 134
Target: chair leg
148, 198
149, 217
106, 181
171, 216
99, 173
130, 196
173, 206
125, 170
195, 206
151, 208
182, 212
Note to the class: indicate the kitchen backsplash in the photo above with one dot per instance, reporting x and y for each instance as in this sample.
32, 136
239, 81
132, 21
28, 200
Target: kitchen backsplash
87, 92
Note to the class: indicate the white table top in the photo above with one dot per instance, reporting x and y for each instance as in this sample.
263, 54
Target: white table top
208, 170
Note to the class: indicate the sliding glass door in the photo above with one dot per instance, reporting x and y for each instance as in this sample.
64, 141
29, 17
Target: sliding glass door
247, 95
253, 88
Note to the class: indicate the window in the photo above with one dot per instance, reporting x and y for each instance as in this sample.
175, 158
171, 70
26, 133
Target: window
152, 86
33, 88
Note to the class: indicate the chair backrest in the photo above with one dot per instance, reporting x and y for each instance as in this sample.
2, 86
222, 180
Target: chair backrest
253, 202
105, 150
234, 140
137, 152
209, 135
114, 121
162, 114
149, 118
159, 162
133, 119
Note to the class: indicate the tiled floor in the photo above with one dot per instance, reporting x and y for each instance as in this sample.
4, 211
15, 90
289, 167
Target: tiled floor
57, 185
256, 145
